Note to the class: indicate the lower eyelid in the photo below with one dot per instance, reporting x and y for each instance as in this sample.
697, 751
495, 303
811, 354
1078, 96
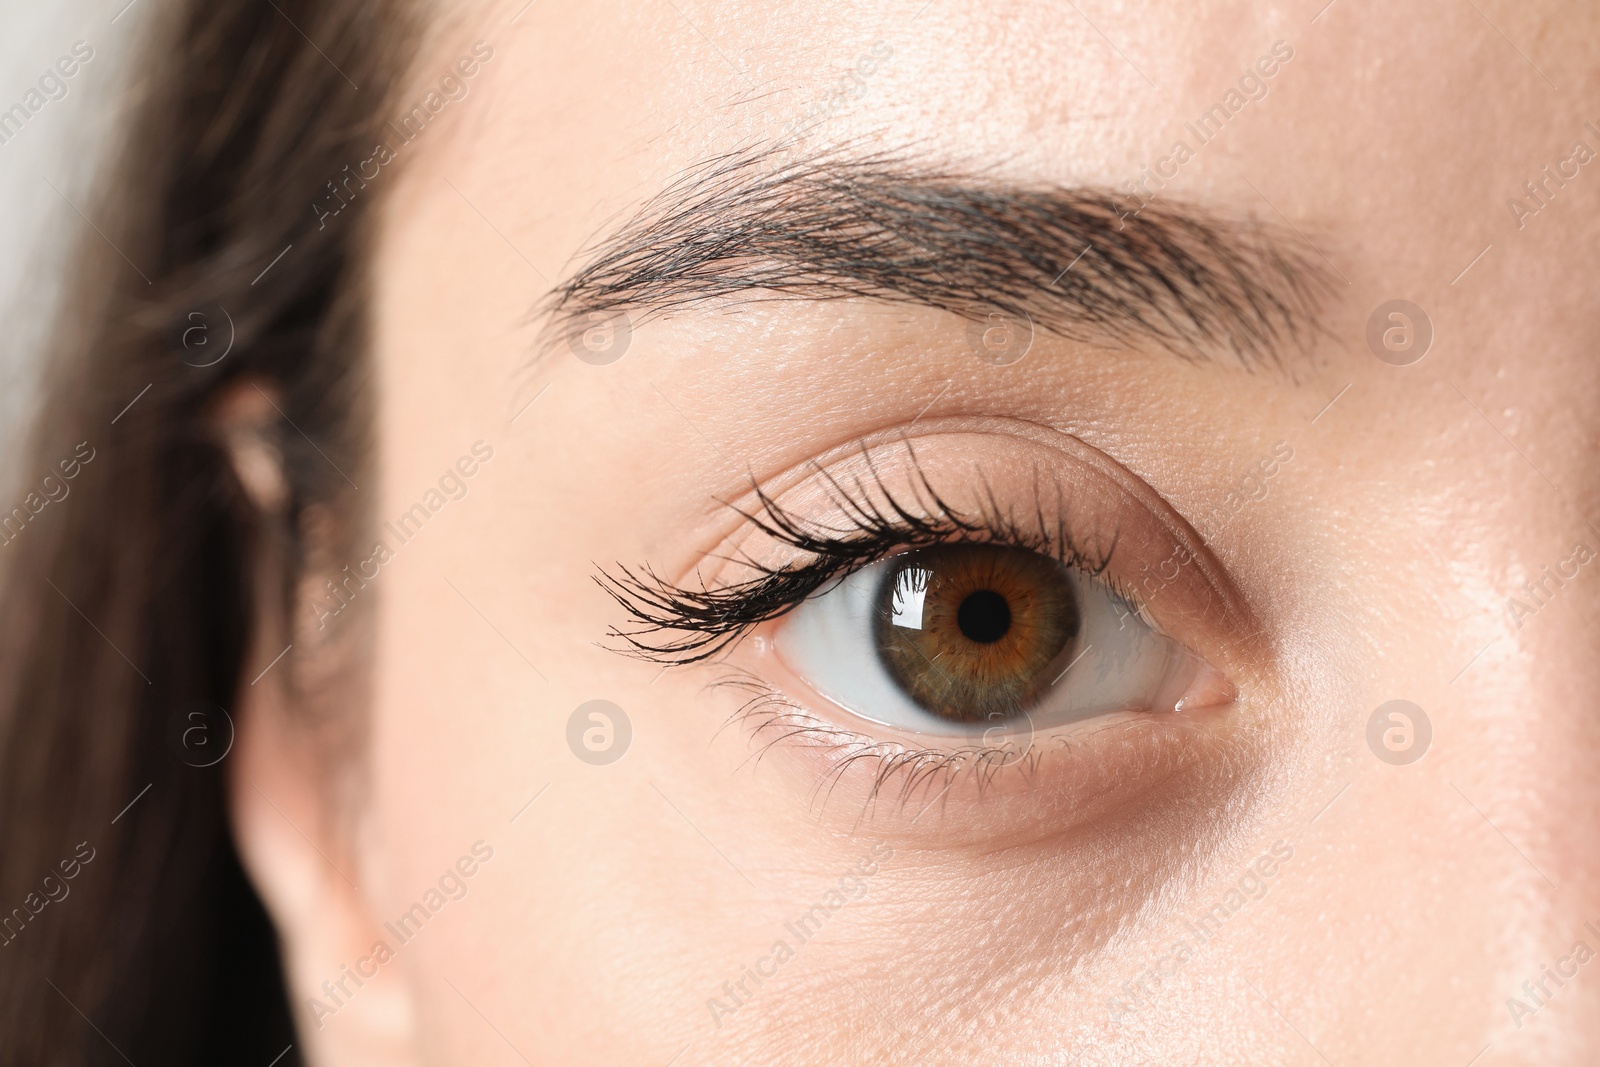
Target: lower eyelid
962, 794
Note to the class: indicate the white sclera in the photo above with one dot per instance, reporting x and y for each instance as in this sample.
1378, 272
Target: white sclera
1116, 663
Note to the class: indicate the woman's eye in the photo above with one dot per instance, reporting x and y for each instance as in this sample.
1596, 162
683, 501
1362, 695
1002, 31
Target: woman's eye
960, 638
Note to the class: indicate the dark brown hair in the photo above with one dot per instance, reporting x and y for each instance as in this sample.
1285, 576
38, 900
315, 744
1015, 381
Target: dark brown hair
130, 598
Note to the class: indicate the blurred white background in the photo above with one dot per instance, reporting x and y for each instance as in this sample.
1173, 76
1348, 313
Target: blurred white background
60, 145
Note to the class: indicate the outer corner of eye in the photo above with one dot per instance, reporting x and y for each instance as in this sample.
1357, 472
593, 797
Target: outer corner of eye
958, 639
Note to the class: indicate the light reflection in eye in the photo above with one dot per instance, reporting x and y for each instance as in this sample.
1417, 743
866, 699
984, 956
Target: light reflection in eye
910, 589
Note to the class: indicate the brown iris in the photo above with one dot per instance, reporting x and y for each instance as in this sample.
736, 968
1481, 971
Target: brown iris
971, 632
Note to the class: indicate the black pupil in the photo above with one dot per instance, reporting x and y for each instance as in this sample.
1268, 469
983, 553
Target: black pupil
984, 616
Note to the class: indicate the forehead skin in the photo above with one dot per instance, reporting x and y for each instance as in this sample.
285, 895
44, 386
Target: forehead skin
1381, 560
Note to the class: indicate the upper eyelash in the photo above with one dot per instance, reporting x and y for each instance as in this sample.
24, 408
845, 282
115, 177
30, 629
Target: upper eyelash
679, 625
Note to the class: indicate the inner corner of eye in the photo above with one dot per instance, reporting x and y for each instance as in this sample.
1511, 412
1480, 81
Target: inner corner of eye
958, 638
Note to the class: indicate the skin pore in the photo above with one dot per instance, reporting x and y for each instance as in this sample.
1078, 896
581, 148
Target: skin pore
1346, 532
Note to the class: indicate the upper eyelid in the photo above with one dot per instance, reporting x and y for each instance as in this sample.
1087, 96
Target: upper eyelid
710, 620
1086, 508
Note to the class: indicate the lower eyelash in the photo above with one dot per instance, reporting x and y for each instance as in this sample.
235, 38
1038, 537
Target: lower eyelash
770, 718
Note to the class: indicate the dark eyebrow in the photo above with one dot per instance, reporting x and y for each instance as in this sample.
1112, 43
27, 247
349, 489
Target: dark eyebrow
1082, 263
